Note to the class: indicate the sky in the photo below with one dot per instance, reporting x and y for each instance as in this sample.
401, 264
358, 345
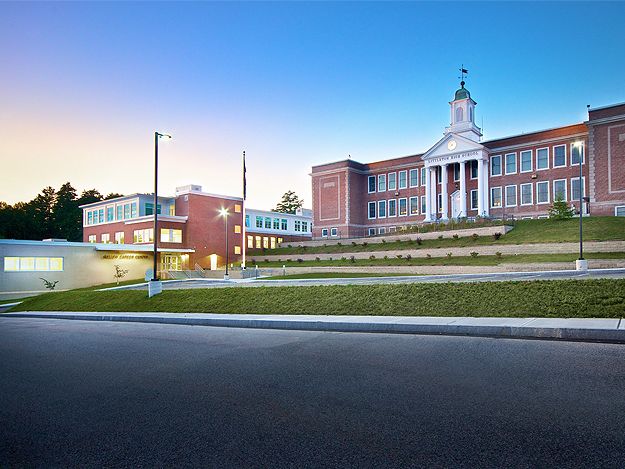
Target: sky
83, 86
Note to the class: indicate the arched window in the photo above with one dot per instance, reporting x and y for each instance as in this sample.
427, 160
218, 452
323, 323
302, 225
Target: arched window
459, 114
470, 114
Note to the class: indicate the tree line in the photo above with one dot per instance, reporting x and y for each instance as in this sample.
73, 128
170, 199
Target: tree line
51, 214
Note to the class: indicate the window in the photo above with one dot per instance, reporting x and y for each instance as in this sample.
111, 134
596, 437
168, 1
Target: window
126, 211
334, 232
403, 207
381, 208
284, 224
92, 238
457, 171
259, 222
474, 199
298, 225
439, 200
510, 163
324, 233
381, 182
279, 240
143, 236
381, 230
259, 242
133, 210
272, 242
392, 181
110, 213
89, 218
371, 231
392, 208
559, 189
119, 237
237, 208
414, 177
495, 197
276, 223
510, 196
473, 169
247, 221
423, 176
439, 174
268, 223
559, 156
172, 236
495, 165
577, 152
250, 242
36, 264
575, 188
371, 181
542, 158
371, 212
305, 226
542, 192
101, 215
95, 217
527, 196
459, 114
120, 212
414, 205
265, 242
237, 249
237, 229
403, 183
105, 238
526, 161
423, 204
172, 210
149, 208
619, 211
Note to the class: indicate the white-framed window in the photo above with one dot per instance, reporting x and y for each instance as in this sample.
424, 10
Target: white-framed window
305, 226
542, 192
414, 177
119, 237
276, 222
423, 204
324, 232
371, 210
259, 242
392, 208
119, 209
33, 264
298, 225
250, 240
381, 182
414, 205
403, 207
110, 213
575, 188
371, 231
619, 211
439, 174
259, 222
559, 189
457, 172
334, 231
559, 156
265, 242
510, 163
392, 181
473, 165
577, 152
92, 239
440, 203
495, 197
527, 194
237, 249
105, 238
423, 176
171, 235
381, 208
381, 230
542, 159
371, 184
403, 181
268, 223
284, 224
495, 165
474, 199
144, 236
511, 196
526, 161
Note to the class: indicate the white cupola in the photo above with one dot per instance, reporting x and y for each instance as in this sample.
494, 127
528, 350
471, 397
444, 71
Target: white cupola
462, 110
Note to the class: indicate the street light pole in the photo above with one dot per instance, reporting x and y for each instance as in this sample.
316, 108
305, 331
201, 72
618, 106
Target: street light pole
581, 200
224, 213
157, 135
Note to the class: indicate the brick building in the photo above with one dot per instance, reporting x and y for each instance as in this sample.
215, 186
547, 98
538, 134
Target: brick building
462, 176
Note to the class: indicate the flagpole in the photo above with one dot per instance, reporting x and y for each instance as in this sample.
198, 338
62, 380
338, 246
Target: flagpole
244, 230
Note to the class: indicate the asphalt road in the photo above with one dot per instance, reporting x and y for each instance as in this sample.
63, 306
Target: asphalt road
87, 394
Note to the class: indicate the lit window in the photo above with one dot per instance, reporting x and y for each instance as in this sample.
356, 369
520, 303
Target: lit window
272, 241
237, 229
258, 240
237, 209
265, 242
250, 242
143, 236
495, 197
92, 238
33, 264
237, 249
403, 207
119, 237
171, 235
280, 240
11, 264
542, 192
495, 165
526, 161
172, 210
105, 238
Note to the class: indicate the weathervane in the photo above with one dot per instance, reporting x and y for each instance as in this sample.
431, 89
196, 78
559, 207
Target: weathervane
463, 72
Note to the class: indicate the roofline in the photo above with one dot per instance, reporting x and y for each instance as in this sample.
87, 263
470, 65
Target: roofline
606, 107
278, 213
136, 194
531, 133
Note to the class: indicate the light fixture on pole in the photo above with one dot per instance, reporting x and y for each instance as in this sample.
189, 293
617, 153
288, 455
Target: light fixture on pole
224, 213
581, 263
156, 287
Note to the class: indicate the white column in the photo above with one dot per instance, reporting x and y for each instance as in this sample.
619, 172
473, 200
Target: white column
463, 190
480, 188
486, 189
428, 196
433, 198
444, 194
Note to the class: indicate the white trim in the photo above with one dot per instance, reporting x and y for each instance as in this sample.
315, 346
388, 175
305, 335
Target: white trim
471, 178
381, 202
548, 193
531, 152
554, 166
375, 182
416, 197
388, 208
553, 188
417, 170
505, 166
516, 196
517, 146
375, 210
583, 188
385, 185
388, 182
616, 210
423, 204
531, 202
399, 207
423, 176
471, 199
583, 155
491, 166
536, 158
405, 171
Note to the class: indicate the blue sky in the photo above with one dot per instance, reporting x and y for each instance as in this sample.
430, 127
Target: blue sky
84, 85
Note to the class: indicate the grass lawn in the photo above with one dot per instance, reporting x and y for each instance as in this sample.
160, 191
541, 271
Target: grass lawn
434, 261
524, 232
334, 275
559, 298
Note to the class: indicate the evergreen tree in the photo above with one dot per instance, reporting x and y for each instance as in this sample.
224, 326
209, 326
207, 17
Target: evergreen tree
40, 212
560, 210
89, 196
67, 215
113, 195
289, 204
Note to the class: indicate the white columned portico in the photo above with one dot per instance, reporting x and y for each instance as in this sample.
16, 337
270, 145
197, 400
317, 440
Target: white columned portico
486, 192
433, 198
480, 188
444, 194
428, 196
463, 190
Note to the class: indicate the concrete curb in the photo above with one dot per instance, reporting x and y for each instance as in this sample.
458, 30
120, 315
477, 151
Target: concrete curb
516, 329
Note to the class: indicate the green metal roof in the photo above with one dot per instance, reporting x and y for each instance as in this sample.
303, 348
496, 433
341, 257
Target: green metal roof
462, 93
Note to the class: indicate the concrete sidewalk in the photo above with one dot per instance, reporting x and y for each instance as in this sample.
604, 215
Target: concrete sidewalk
591, 330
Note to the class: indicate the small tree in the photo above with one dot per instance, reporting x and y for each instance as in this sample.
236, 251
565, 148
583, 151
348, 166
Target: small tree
50, 285
119, 273
289, 204
560, 210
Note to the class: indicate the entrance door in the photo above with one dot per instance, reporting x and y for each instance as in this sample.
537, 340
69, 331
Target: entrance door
455, 205
171, 262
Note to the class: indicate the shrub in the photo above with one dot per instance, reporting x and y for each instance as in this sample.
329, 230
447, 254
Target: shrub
304, 247
385, 257
474, 254
371, 257
398, 240
475, 236
325, 245
317, 259
449, 254
343, 258
339, 244
300, 260
419, 241
352, 259
288, 260
383, 241
498, 255
399, 256
365, 244
353, 243
408, 257
496, 236
329, 258
440, 236
429, 256
289, 245
456, 236
266, 260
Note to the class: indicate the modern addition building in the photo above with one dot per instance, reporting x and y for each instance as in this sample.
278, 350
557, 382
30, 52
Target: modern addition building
463, 176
